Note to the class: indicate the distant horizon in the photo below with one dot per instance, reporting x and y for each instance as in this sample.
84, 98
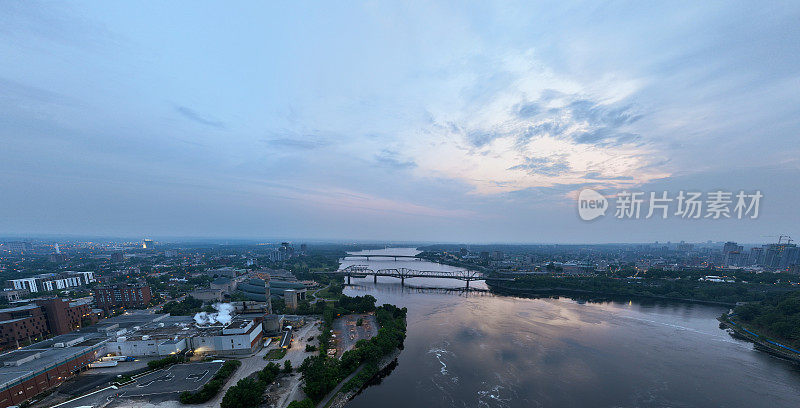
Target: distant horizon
296, 241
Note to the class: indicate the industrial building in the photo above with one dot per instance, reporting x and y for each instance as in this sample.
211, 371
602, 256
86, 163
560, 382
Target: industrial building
207, 295
129, 295
254, 289
30, 370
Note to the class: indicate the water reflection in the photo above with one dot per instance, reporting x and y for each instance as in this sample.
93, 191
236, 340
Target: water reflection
475, 349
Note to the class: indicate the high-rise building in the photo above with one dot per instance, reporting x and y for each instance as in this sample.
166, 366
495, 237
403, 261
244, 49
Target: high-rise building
780, 256
733, 254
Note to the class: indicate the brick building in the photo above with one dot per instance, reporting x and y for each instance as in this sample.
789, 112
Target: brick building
22, 324
110, 297
32, 370
64, 316
42, 318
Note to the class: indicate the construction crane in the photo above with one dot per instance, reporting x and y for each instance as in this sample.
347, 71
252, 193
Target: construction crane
780, 238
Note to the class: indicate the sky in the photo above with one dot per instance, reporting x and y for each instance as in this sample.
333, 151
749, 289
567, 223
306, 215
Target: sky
429, 120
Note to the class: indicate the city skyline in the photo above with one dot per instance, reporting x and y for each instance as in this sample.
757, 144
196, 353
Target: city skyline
375, 122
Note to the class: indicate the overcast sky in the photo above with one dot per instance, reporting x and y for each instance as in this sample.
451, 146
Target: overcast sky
394, 120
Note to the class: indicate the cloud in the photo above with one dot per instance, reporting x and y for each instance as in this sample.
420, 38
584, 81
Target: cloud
192, 115
389, 158
540, 129
543, 165
528, 110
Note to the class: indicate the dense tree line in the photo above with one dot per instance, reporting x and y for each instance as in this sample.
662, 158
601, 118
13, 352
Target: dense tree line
668, 288
249, 392
187, 307
322, 373
777, 316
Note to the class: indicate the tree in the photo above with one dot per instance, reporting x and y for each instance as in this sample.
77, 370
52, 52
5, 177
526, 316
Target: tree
306, 403
246, 393
287, 366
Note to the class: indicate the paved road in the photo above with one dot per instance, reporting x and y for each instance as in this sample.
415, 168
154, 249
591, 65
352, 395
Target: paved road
335, 391
296, 355
256, 362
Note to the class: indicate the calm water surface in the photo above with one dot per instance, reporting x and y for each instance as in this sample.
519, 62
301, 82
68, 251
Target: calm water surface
481, 350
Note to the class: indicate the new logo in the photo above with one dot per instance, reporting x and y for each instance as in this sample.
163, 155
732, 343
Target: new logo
591, 204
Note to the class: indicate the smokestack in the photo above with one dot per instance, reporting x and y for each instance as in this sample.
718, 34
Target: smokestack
267, 294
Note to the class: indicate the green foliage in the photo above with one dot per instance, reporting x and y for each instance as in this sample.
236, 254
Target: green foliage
685, 288
186, 307
248, 392
269, 373
321, 373
287, 366
212, 387
306, 403
357, 304
245, 394
310, 348
777, 316
275, 354
361, 378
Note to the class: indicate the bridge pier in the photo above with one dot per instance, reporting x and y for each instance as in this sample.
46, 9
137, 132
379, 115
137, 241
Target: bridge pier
402, 281
467, 283
375, 278
348, 279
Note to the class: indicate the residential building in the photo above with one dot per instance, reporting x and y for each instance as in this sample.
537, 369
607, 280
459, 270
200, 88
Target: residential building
13, 295
43, 318
53, 281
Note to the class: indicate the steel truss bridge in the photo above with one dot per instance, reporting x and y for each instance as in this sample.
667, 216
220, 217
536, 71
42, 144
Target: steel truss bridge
405, 273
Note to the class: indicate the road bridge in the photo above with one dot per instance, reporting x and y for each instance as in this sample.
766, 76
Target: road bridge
405, 273
395, 257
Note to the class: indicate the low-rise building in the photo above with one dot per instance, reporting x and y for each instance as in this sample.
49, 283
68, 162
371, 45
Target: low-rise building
127, 295
13, 295
207, 295
222, 283
241, 336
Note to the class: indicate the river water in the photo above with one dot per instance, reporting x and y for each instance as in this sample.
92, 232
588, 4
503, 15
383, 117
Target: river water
481, 350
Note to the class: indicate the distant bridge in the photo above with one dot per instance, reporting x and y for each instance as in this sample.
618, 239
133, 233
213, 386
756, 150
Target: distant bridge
395, 257
404, 273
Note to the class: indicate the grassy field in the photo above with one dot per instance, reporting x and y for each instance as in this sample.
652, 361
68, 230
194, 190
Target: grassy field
275, 354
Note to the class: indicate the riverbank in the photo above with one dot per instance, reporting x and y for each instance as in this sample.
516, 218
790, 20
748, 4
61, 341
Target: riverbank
341, 398
502, 288
760, 343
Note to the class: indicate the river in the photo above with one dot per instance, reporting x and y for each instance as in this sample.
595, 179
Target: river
482, 350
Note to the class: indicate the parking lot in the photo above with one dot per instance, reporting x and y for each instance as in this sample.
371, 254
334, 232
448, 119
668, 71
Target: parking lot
176, 379
348, 332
